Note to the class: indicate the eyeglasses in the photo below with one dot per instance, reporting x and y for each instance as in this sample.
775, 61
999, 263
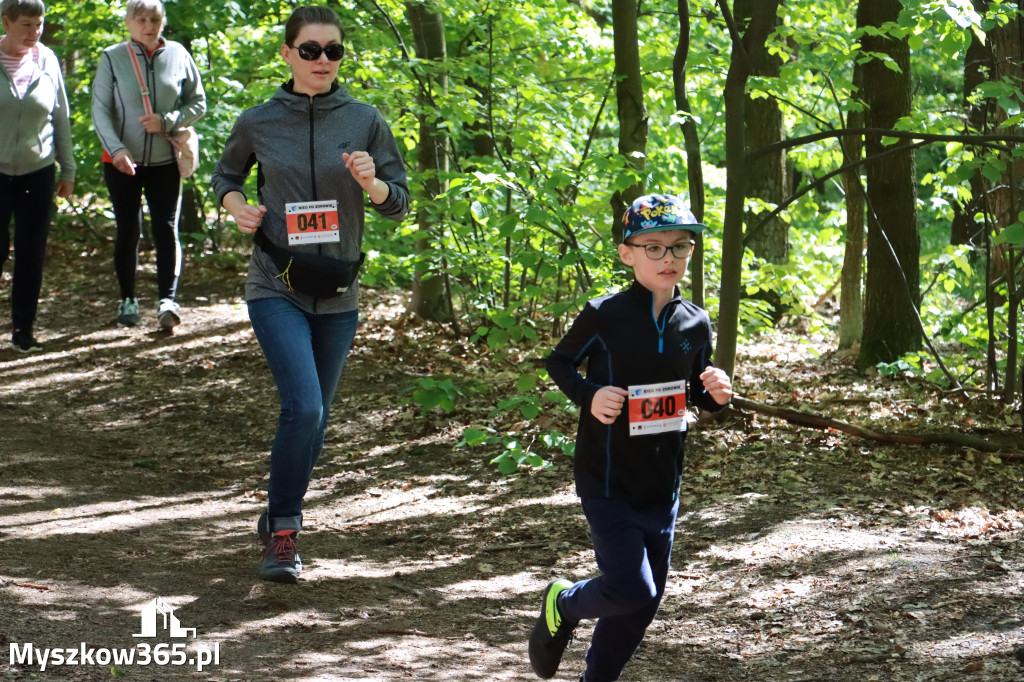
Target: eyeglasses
658, 251
311, 51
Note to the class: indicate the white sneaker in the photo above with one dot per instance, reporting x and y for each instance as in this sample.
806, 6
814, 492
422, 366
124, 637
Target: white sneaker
167, 313
128, 312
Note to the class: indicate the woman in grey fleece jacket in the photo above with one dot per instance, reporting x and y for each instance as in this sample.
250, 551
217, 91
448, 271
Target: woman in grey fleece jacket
36, 133
320, 154
138, 159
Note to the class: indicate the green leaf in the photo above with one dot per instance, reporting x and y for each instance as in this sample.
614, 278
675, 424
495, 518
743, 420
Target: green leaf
472, 436
529, 411
497, 339
1014, 234
526, 383
506, 463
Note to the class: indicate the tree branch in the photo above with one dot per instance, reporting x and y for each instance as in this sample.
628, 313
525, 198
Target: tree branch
821, 423
981, 140
818, 183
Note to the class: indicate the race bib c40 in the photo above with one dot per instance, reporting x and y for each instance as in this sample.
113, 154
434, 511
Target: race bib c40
657, 408
312, 222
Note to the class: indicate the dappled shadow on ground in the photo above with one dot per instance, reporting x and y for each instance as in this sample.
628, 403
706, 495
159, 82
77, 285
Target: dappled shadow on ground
132, 465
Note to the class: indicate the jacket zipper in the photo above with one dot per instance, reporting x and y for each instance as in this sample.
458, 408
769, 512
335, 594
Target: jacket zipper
660, 327
312, 163
312, 147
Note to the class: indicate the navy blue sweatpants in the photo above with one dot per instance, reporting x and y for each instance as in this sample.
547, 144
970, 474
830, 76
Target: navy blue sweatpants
633, 549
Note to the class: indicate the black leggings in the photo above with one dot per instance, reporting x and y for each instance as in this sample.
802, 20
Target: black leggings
161, 186
29, 198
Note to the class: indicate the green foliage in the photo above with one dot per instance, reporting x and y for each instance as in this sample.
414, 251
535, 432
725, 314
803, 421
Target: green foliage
521, 228
430, 393
514, 453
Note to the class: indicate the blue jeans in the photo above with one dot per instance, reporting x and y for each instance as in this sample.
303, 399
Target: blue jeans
306, 353
633, 548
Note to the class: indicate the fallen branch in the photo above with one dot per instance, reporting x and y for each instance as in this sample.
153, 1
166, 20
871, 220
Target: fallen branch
42, 588
816, 421
514, 545
411, 633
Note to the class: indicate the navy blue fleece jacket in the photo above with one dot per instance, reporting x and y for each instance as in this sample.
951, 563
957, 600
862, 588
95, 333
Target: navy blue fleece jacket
624, 344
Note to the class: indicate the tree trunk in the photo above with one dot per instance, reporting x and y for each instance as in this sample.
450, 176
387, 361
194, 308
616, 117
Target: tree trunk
629, 95
694, 162
761, 23
1003, 203
892, 287
766, 175
430, 300
191, 220
851, 300
978, 66
1008, 60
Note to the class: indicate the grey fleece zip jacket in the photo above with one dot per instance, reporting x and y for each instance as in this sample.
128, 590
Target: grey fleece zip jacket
296, 141
175, 92
36, 128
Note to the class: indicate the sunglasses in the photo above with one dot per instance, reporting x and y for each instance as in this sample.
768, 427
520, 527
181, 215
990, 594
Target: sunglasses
311, 51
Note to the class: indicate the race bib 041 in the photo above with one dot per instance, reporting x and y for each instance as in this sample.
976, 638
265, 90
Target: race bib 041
312, 222
657, 408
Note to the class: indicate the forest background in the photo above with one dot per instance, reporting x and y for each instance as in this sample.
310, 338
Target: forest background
528, 128
858, 167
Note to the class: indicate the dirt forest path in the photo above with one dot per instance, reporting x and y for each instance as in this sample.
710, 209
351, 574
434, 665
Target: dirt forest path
132, 465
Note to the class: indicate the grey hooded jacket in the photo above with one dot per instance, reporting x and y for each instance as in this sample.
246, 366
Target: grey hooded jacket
37, 130
175, 91
296, 142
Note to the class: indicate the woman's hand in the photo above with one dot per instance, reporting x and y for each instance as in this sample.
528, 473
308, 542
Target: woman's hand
64, 189
123, 162
153, 123
361, 165
247, 216
607, 403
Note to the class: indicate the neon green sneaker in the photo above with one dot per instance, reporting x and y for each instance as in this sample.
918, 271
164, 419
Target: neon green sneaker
551, 633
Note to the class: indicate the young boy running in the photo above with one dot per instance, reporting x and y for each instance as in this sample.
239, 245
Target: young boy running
648, 354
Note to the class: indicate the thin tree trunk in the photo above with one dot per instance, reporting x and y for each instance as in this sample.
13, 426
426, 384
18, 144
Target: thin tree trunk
978, 65
766, 176
629, 95
430, 294
851, 300
694, 162
762, 21
892, 287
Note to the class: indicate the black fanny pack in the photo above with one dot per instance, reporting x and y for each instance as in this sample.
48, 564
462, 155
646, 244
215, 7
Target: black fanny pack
309, 274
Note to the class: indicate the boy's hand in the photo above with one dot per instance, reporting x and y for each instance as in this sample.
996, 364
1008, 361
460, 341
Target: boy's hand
607, 403
717, 383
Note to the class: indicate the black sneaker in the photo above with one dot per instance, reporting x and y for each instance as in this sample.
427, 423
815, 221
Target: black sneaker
281, 562
25, 342
551, 633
